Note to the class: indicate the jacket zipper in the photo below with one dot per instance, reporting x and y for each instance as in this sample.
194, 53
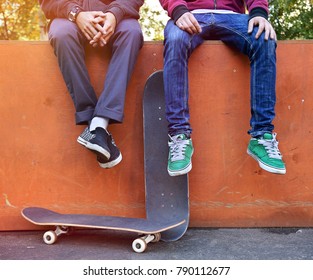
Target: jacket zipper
215, 4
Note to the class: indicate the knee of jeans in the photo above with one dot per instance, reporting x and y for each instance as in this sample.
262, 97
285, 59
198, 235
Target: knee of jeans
62, 30
268, 46
134, 34
177, 38
131, 29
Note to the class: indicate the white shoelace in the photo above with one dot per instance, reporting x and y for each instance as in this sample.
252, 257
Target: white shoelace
177, 147
271, 146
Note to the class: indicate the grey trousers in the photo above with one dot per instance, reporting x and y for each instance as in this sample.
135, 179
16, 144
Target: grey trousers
69, 45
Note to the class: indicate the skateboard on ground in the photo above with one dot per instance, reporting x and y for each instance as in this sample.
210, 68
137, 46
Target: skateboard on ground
151, 230
167, 198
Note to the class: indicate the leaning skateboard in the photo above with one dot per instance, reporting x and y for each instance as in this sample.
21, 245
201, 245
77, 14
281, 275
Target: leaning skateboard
167, 198
167, 201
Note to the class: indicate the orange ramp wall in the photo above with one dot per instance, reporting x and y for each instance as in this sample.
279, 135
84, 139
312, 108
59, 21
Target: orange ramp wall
41, 163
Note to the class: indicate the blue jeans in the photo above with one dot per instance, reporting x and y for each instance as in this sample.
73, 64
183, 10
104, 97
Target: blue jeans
232, 30
69, 45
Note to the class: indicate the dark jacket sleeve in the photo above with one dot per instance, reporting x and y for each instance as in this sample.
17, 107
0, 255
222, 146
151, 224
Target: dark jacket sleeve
57, 8
125, 9
120, 8
257, 8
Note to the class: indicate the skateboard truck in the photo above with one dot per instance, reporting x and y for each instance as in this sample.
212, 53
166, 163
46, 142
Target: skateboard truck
51, 236
140, 244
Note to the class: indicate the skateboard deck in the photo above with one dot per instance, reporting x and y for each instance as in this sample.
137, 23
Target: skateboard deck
167, 201
167, 198
63, 222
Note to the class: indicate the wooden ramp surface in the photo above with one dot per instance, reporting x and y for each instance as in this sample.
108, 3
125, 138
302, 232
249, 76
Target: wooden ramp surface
42, 165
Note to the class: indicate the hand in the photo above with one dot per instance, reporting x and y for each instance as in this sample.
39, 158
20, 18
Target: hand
107, 23
264, 26
85, 23
188, 23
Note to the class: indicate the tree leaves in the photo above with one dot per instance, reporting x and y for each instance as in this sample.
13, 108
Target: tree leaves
19, 20
292, 19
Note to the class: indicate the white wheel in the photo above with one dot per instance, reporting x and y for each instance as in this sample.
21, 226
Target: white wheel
50, 237
139, 245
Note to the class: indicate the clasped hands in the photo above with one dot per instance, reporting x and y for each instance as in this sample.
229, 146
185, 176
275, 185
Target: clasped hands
98, 27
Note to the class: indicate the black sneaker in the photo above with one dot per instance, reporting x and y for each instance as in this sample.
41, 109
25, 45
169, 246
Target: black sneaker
115, 157
96, 141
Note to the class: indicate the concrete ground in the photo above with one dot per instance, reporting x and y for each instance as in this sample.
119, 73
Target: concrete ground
196, 244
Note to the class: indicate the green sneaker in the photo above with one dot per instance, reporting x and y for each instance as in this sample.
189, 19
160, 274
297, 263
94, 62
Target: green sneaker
179, 157
265, 151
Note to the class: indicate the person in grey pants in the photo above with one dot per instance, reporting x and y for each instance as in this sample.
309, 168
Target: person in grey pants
105, 24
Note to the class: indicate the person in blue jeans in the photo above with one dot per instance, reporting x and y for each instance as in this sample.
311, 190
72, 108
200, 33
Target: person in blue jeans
109, 24
190, 24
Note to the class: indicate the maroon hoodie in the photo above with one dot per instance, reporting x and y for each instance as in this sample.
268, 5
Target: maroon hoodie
176, 8
120, 8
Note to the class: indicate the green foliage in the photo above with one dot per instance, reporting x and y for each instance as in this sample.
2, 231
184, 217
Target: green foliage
23, 20
19, 20
292, 19
152, 21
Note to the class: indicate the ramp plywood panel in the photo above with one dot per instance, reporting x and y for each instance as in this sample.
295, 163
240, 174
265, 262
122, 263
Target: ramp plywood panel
41, 163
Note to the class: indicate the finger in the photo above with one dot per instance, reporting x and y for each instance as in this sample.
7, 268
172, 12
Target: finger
193, 29
190, 28
180, 25
196, 25
97, 37
250, 26
192, 23
105, 38
100, 41
260, 30
103, 41
108, 36
100, 28
96, 43
107, 29
187, 26
97, 14
91, 30
97, 20
87, 35
273, 34
267, 34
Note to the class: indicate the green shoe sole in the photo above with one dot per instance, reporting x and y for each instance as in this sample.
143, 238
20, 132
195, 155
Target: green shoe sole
267, 167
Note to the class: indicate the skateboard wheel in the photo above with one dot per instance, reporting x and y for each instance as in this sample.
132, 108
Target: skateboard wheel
139, 245
50, 237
